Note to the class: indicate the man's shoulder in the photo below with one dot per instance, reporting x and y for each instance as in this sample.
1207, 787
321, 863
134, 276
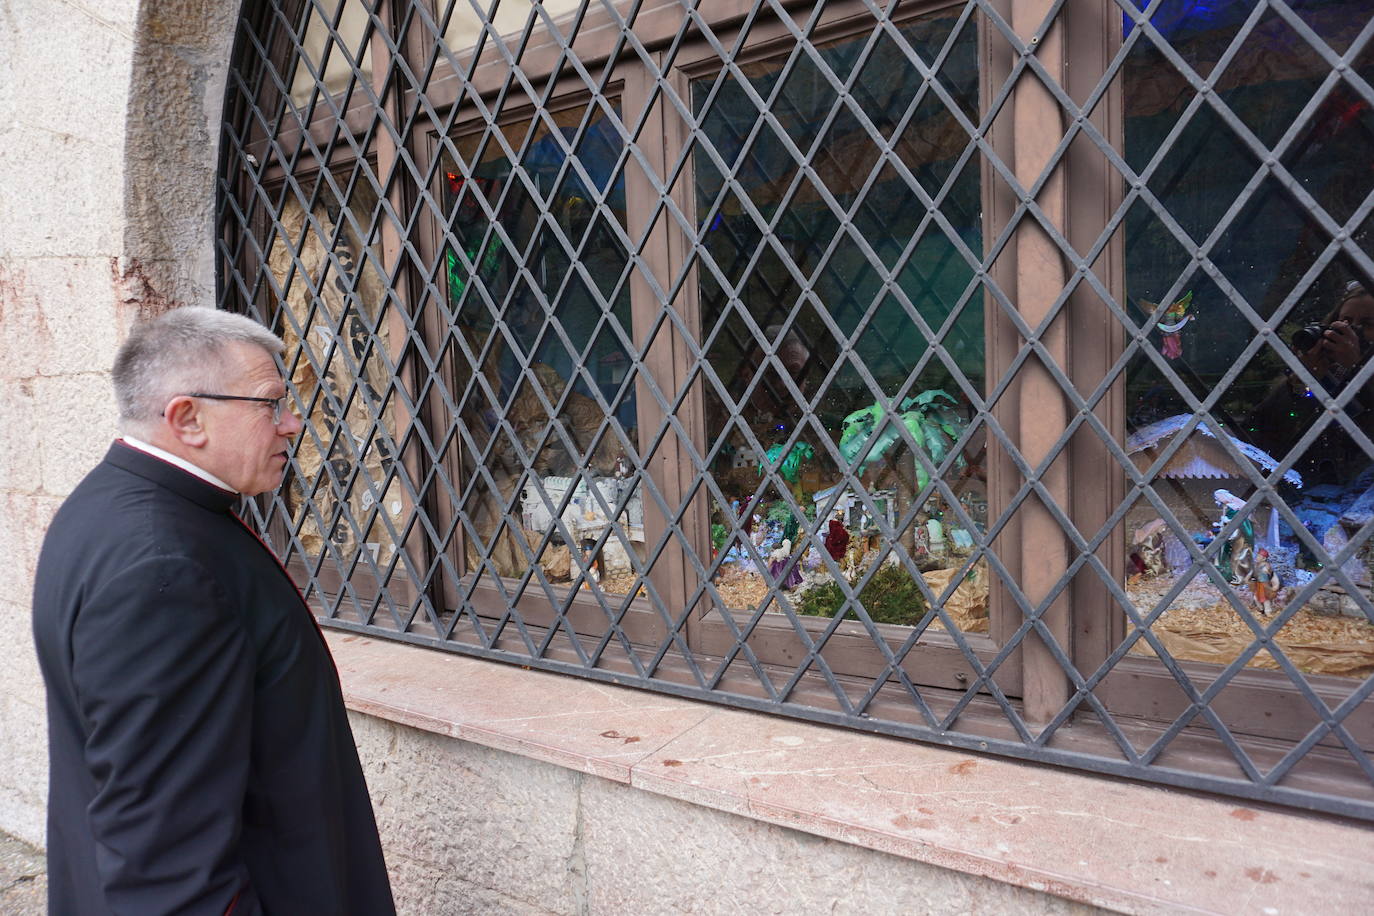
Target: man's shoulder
118, 532
109, 492
114, 509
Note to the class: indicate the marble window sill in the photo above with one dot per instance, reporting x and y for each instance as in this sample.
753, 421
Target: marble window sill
1121, 845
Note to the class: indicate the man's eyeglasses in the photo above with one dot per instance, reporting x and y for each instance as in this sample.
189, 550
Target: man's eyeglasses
278, 404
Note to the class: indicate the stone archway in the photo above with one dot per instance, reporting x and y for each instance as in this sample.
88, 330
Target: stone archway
176, 95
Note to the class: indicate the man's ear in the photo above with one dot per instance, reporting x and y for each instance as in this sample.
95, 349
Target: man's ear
184, 421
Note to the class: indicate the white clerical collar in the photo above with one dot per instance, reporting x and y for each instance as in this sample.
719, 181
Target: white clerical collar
180, 462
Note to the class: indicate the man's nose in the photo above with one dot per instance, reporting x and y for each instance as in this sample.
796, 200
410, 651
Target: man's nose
290, 424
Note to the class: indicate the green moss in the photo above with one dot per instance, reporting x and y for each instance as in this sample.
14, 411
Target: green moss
891, 596
779, 512
821, 600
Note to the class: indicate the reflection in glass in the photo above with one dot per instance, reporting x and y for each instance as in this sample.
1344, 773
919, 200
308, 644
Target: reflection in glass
811, 297
335, 299
1272, 263
537, 286
336, 49
466, 19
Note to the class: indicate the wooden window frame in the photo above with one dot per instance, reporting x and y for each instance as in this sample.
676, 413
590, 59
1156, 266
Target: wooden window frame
1086, 342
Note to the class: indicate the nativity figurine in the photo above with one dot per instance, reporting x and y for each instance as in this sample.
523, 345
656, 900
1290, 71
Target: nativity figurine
1148, 556
1264, 583
836, 538
1241, 539
777, 561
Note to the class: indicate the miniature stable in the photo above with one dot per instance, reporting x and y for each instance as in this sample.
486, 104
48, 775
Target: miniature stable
1262, 563
1298, 562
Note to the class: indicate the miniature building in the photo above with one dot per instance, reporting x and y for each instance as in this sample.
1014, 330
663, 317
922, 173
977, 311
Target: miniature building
584, 517
856, 515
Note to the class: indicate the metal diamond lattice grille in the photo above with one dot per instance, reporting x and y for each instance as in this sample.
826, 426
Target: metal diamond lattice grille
997, 375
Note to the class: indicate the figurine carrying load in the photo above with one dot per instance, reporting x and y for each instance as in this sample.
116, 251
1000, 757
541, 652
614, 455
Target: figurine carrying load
1264, 583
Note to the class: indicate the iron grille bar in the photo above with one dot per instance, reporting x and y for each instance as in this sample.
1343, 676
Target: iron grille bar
432, 442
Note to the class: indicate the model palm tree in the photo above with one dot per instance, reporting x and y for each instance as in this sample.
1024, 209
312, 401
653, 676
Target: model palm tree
934, 425
930, 417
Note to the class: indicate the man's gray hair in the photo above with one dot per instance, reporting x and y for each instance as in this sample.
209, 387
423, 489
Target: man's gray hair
176, 353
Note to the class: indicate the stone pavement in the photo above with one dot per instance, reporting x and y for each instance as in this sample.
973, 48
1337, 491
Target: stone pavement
23, 883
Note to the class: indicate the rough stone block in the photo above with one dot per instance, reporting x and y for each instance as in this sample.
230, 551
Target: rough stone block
77, 185
9, 77
23, 728
423, 888
77, 418
501, 831
170, 156
85, 48
172, 149
24, 783
473, 830
20, 682
60, 316
19, 457
23, 521
649, 854
169, 201
191, 25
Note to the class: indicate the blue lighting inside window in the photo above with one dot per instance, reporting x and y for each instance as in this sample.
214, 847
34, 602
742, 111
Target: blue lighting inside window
1178, 17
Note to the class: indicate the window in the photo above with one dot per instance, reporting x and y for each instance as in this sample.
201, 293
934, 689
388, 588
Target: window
931, 370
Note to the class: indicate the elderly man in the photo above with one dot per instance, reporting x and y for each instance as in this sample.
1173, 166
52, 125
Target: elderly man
201, 760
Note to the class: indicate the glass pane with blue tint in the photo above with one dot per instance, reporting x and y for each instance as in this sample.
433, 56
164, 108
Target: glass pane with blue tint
537, 281
1253, 398
842, 320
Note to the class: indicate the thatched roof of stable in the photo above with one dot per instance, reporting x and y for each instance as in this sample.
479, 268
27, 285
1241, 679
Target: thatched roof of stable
1201, 457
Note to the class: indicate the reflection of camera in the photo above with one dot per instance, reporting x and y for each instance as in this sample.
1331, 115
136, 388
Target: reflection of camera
1308, 336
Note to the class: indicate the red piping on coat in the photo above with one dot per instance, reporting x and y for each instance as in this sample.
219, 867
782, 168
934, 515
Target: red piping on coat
294, 587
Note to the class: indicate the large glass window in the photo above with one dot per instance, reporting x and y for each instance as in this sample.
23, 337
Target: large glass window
983, 373
537, 290
1275, 320
825, 279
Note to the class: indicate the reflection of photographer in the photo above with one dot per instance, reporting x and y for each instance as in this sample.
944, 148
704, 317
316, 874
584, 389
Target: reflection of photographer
1333, 351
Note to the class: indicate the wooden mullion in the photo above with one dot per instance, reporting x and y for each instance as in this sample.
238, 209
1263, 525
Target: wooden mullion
1037, 126
665, 358
1002, 342
396, 191
1094, 36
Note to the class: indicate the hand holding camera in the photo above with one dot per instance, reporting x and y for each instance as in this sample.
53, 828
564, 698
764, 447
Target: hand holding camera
1333, 348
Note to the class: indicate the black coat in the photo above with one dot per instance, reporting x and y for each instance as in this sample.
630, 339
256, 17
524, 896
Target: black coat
201, 759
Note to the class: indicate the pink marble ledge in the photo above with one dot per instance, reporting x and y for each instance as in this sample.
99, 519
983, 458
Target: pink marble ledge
582, 725
1125, 846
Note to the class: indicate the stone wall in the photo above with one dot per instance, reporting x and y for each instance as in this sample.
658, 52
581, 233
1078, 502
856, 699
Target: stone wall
106, 197
63, 94
469, 829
